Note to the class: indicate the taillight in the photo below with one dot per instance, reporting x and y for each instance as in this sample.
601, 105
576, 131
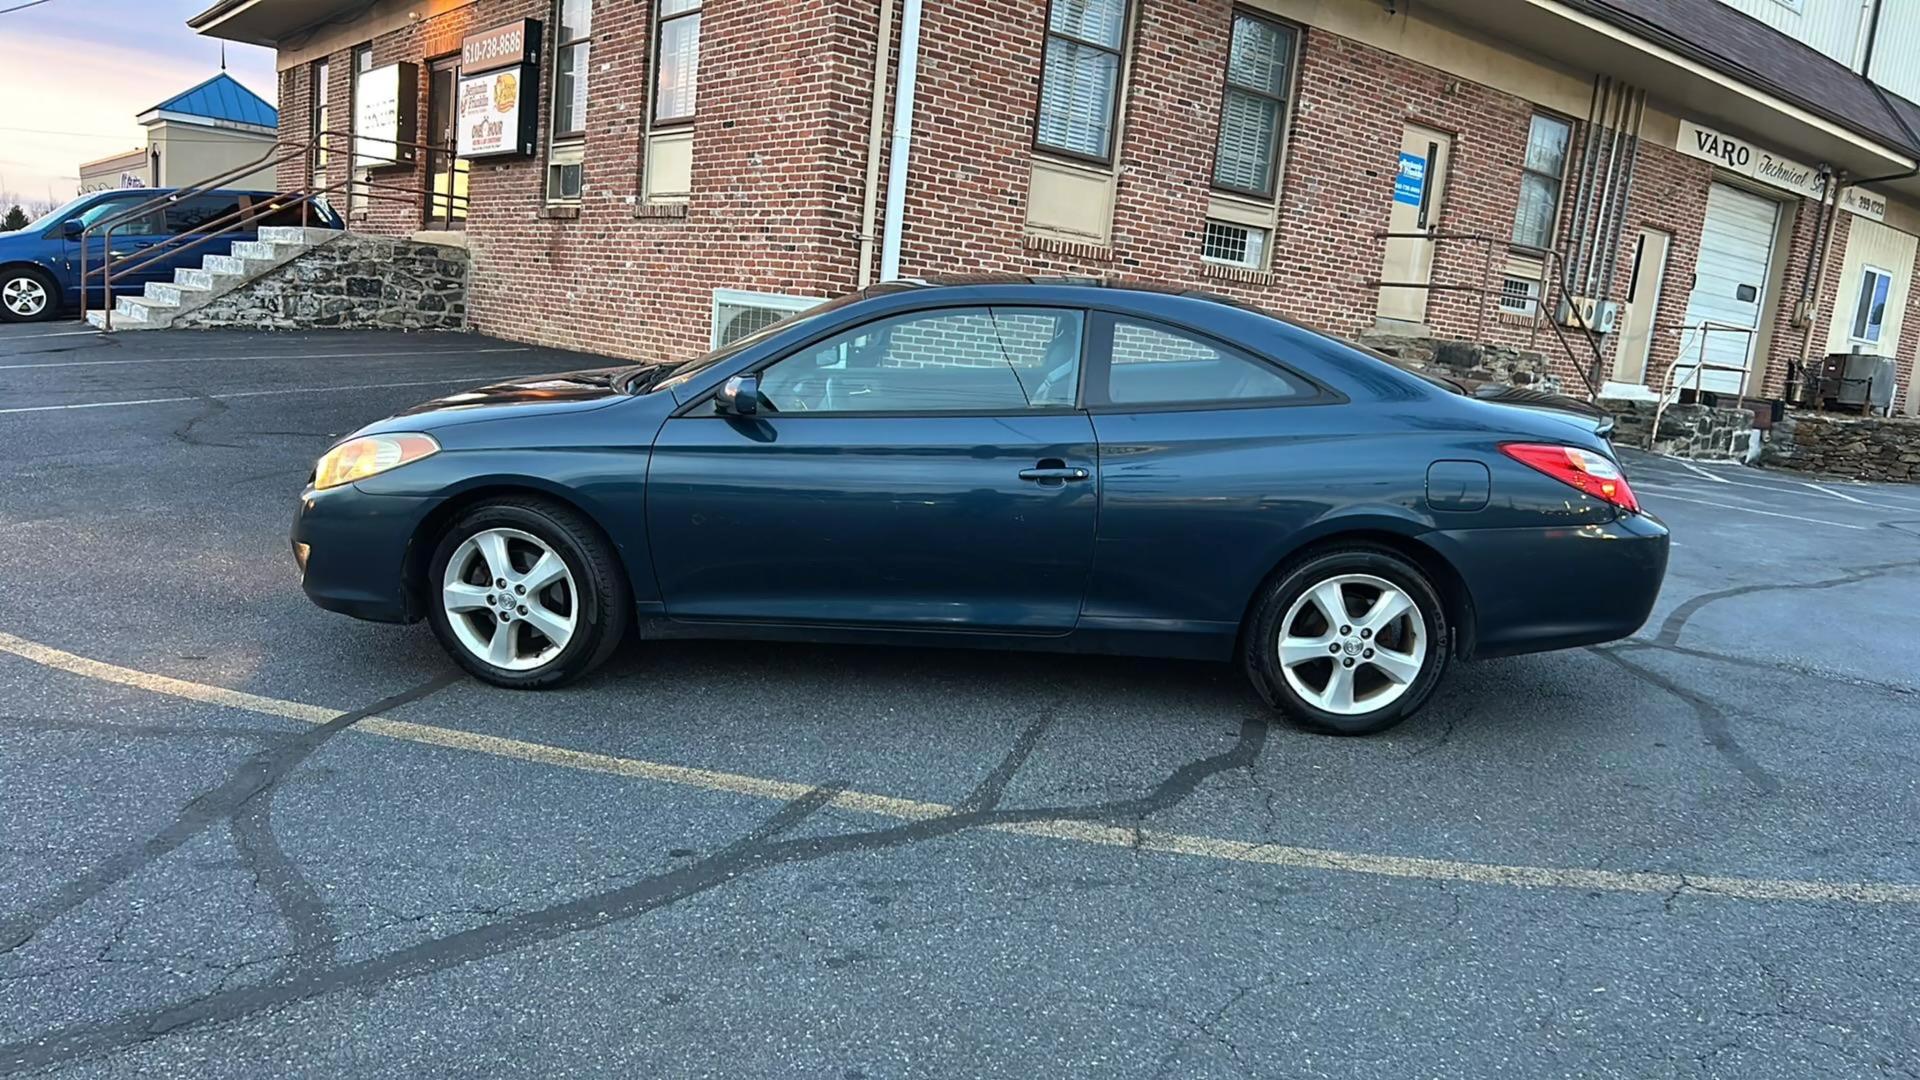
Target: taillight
1594, 474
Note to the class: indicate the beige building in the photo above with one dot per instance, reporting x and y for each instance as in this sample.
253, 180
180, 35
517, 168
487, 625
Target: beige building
200, 133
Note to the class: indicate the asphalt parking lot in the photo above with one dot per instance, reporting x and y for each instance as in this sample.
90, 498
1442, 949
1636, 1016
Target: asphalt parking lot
242, 837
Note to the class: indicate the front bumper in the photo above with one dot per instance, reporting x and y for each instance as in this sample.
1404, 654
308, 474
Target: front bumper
1557, 588
356, 551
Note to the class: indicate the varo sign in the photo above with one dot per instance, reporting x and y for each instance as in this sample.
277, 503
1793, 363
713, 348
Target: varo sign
1753, 162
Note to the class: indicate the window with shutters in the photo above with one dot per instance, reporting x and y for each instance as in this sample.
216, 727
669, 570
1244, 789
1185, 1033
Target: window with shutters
1080, 78
1253, 108
1542, 175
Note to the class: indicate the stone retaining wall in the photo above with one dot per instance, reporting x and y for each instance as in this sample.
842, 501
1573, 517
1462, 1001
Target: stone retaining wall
1689, 431
1855, 447
1489, 363
351, 283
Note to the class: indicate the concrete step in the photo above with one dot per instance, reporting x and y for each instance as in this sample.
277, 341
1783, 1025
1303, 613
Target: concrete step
123, 318
293, 234
265, 251
146, 308
234, 265
173, 295
194, 278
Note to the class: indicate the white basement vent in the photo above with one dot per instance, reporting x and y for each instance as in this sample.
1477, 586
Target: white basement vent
1520, 296
1235, 245
737, 314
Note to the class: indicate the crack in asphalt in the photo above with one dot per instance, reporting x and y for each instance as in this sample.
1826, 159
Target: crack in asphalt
210, 408
315, 936
761, 849
254, 776
1676, 620
1712, 719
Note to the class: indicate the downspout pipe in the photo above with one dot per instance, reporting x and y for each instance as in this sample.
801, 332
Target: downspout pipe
876, 119
902, 141
1572, 268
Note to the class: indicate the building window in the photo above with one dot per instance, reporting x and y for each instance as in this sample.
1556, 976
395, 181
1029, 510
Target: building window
737, 314
1235, 245
676, 61
567, 147
318, 122
1541, 177
1253, 110
1080, 77
1869, 317
1520, 296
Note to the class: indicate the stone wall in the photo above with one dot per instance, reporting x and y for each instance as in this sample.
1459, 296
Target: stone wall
1470, 360
352, 283
1688, 431
1856, 447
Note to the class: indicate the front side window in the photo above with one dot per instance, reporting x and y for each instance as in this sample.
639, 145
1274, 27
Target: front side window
147, 224
1870, 314
1156, 365
204, 211
1253, 109
1541, 176
320, 120
958, 360
676, 61
1080, 77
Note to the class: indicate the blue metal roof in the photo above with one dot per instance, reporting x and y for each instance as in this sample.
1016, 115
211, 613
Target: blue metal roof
222, 98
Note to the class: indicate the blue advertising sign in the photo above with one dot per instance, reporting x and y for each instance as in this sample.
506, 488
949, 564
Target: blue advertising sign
1411, 181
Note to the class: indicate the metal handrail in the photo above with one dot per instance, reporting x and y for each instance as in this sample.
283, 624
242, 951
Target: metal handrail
1489, 243
241, 216
1669, 390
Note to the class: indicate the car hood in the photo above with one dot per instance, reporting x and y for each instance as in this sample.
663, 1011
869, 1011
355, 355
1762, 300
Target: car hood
568, 391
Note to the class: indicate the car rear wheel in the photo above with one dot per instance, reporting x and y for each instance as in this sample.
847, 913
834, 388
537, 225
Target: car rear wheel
1349, 642
526, 594
27, 295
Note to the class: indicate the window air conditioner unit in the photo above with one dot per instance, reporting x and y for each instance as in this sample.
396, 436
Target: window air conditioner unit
1599, 316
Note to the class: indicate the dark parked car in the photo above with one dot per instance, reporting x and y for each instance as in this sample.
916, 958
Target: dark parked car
40, 264
1010, 464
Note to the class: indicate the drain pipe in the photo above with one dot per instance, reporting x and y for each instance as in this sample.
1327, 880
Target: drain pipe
1583, 192
902, 141
1638, 104
1603, 223
876, 118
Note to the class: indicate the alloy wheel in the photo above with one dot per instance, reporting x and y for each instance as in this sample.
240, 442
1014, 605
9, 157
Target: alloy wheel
1352, 644
24, 296
510, 599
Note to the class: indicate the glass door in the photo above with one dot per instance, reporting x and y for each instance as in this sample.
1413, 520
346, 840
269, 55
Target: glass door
446, 173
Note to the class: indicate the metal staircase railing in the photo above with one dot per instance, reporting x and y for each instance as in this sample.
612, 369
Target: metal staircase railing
246, 216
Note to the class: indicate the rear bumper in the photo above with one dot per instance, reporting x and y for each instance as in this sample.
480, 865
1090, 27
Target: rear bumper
1557, 588
356, 551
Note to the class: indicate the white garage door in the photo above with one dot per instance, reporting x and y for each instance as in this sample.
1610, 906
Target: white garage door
1729, 289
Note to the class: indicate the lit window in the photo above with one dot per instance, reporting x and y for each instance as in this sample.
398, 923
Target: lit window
1870, 314
1541, 176
1253, 109
1080, 77
1235, 245
676, 61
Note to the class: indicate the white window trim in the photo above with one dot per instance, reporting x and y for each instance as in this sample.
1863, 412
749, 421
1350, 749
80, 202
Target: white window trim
785, 302
1266, 244
1865, 270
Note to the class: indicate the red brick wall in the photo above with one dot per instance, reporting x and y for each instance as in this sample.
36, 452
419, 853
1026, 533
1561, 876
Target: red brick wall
780, 155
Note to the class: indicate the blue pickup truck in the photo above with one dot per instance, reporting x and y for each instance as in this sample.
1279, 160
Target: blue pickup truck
40, 264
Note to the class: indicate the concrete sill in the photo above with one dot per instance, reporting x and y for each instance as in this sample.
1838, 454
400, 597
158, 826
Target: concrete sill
1235, 273
560, 213
672, 211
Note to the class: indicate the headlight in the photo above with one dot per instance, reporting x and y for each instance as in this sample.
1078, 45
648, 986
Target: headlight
370, 455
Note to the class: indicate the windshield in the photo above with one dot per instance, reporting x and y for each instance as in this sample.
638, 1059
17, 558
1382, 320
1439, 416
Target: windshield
47, 219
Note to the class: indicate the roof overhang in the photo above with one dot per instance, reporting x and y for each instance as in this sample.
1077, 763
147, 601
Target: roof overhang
155, 116
268, 22
1679, 82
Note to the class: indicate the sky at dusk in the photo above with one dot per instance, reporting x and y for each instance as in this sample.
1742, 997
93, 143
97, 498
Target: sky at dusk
75, 73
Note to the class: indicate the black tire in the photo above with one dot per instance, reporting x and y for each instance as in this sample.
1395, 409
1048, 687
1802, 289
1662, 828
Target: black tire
15, 285
1263, 636
603, 602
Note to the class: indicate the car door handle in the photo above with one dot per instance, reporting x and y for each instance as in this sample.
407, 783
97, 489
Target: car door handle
1058, 473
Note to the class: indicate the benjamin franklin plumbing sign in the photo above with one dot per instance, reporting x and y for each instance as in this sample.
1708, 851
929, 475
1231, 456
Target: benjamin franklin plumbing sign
1753, 162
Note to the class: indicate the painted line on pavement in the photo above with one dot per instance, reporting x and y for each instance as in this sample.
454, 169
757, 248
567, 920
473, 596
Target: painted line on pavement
886, 806
35, 337
1698, 471
241, 394
1663, 493
414, 353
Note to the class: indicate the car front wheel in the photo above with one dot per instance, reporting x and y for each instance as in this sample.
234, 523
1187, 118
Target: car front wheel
526, 594
27, 295
1349, 642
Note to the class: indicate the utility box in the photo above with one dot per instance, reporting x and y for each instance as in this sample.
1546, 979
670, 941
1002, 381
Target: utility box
1857, 382
1584, 312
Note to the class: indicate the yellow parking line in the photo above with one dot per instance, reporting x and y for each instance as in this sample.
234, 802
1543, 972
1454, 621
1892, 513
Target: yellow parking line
887, 806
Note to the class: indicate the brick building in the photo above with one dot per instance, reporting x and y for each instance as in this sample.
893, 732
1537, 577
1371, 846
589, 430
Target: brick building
700, 166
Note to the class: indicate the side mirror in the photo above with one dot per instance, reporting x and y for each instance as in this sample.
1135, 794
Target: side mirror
738, 396
72, 228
